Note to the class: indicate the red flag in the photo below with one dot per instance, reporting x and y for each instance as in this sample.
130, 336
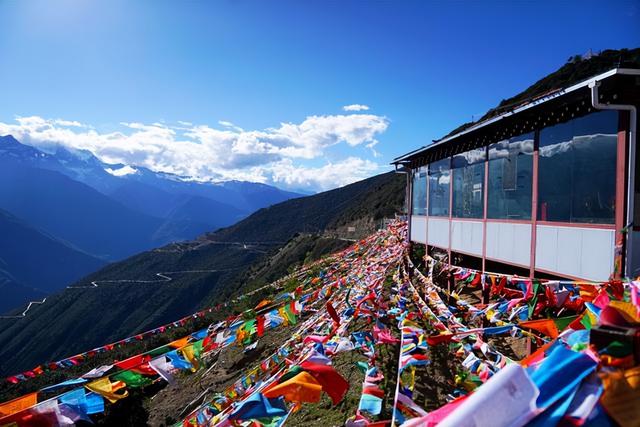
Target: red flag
332, 313
139, 364
332, 382
260, 325
497, 289
476, 280
438, 339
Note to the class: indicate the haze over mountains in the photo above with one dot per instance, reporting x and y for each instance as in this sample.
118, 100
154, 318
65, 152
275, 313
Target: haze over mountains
69, 206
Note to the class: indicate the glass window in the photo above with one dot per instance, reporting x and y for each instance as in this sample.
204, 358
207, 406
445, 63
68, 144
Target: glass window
468, 184
419, 191
439, 181
577, 170
510, 178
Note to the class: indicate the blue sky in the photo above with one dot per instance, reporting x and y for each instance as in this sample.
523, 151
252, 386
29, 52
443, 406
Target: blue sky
148, 82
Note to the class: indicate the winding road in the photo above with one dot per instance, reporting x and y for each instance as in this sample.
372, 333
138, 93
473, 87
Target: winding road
24, 313
163, 277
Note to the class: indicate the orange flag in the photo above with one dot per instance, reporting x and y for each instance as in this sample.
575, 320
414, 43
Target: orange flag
16, 405
544, 326
301, 388
263, 303
182, 342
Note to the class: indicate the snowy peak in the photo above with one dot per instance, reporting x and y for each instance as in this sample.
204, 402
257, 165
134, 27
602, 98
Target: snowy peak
110, 179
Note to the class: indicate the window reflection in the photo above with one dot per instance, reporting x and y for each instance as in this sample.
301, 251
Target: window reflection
468, 184
577, 170
420, 191
510, 178
439, 181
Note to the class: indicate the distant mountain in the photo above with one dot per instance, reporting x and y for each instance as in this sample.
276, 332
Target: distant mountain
244, 196
207, 214
75, 212
77, 319
84, 204
76, 197
256, 195
33, 264
79, 165
201, 210
83, 166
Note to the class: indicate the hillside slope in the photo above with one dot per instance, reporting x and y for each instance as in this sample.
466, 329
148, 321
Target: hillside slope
81, 318
374, 198
15, 294
33, 264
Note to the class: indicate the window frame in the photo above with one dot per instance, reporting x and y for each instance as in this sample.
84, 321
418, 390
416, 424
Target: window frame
569, 223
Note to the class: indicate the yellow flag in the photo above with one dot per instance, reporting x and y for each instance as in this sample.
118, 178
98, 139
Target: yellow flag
188, 354
108, 390
627, 310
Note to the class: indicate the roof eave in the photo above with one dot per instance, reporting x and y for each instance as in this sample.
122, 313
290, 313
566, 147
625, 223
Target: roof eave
541, 100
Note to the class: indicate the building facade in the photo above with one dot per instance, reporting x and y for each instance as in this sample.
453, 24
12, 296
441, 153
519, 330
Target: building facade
549, 186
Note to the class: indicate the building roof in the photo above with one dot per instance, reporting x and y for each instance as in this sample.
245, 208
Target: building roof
541, 99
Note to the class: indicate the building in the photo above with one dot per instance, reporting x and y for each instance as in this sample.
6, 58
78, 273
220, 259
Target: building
549, 187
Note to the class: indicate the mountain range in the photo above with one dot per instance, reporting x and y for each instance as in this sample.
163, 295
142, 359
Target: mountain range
131, 297
87, 210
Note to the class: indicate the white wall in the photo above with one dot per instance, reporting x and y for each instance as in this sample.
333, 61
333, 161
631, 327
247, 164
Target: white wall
509, 242
572, 251
466, 236
418, 229
580, 252
439, 232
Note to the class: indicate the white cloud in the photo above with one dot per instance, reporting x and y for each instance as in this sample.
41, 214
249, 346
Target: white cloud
229, 125
279, 155
69, 123
356, 107
330, 175
373, 150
